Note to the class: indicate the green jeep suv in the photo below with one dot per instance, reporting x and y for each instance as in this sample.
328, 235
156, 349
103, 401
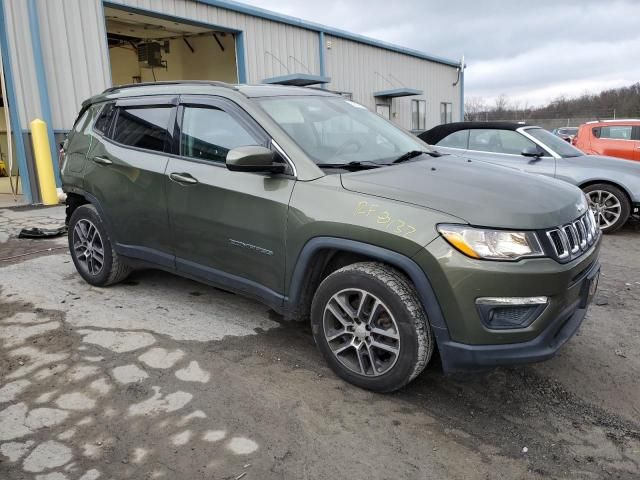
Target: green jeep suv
326, 212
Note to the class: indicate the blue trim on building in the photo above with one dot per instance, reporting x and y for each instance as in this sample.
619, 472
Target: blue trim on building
241, 58
41, 79
316, 27
12, 104
323, 70
398, 92
297, 79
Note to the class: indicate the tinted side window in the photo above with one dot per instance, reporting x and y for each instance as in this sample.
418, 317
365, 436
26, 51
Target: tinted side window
616, 132
104, 119
457, 139
498, 141
143, 127
208, 133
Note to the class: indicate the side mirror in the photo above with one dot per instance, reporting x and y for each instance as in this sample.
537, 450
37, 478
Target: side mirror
253, 158
532, 151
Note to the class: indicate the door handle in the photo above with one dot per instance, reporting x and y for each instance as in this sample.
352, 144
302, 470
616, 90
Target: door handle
102, 160
183, 178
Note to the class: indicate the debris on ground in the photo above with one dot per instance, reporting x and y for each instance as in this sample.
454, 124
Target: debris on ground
36, 232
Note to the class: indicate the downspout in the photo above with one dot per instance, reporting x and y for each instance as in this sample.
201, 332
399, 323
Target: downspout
321, 57
41, 78
13, 130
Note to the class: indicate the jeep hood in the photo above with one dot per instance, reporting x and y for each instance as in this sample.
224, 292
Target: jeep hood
480, 193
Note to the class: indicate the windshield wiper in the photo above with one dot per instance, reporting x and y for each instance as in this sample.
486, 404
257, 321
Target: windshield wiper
351, 165
415, 153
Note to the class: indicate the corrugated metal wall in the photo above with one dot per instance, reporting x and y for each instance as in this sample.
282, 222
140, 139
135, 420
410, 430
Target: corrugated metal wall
74, 50
364, 69
21, 52
76, 58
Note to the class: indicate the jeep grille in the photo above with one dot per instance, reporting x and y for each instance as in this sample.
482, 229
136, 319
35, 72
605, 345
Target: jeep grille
573, 239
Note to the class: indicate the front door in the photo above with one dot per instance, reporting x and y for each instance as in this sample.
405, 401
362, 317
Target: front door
125, 171
504, 147
228, 227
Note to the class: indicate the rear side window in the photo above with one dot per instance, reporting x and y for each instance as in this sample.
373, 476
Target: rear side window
615, 132
459, 139
103, 122
209, 133
143, 127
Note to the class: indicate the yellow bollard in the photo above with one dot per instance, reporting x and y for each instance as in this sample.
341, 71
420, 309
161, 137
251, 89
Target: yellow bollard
44, 163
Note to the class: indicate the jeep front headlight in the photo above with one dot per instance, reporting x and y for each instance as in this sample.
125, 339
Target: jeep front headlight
490, 244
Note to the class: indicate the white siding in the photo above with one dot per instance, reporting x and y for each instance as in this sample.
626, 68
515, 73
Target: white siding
364, 69
22, 64
74, 50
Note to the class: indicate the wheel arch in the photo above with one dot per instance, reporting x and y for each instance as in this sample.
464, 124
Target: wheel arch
608, 182
315, 260
76, 198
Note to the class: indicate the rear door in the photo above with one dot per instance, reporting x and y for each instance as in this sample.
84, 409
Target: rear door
228, 227
504, 147
126, 173
636, 137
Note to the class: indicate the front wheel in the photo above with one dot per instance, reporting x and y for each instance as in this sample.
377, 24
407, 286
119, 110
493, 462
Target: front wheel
610, 206
370, 326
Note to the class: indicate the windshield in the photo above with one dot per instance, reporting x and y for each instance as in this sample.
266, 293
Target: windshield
555, 143
333, 130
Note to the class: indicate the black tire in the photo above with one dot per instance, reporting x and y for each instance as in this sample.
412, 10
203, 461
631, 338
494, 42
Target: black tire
620, 196
395, 291
113, 269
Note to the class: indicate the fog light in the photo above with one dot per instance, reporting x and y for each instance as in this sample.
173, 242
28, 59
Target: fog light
510, 312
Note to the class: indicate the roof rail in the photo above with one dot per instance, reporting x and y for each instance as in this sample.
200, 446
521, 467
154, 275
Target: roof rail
611, 120
212, 83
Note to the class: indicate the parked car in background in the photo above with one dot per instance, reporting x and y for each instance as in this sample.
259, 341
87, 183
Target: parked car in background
565, 133
617, 138
612, 185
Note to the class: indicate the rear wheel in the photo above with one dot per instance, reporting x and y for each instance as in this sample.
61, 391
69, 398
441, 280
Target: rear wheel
91, 249
609, 205
370, 326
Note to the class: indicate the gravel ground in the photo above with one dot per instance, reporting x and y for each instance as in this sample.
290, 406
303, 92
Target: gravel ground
161, 377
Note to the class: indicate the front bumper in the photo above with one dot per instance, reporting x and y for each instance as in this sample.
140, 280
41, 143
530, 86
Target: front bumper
460, 357
465, 343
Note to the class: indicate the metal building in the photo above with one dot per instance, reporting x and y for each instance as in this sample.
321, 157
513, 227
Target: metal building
56, 53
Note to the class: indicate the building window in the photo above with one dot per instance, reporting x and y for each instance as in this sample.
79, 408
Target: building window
384, 111
418, 114
445, 113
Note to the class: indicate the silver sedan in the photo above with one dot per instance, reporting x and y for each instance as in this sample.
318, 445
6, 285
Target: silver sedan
612, 185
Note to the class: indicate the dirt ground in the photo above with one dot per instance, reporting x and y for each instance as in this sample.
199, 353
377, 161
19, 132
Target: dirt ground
162, 377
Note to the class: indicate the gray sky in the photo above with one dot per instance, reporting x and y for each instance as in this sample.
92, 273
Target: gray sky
531, 50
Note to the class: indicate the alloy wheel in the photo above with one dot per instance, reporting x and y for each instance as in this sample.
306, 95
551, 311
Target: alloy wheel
88, 247
605, 206
361, 332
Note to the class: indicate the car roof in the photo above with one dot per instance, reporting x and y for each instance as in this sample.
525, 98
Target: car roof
436, 134
198, 87
619, 121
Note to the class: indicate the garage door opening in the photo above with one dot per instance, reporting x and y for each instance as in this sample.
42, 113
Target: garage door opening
144, 48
